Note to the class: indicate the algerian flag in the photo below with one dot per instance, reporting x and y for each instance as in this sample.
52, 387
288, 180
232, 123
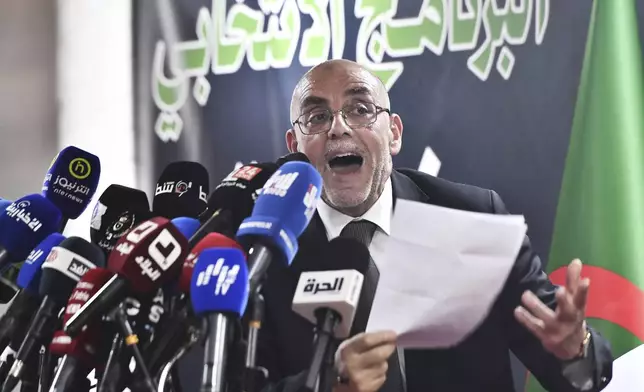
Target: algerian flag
600, 216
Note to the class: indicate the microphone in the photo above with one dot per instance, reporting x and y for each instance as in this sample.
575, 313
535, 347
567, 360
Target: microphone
24, 224
186, 226
4, 204
64, 267
175, 334
283, 210
328, 297
15, 322
116, 212
147, 257
79, 353
219, 292
292, 157
233, 200
181, 190
71, 181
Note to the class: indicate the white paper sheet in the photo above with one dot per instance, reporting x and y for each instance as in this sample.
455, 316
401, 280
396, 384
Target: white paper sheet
628, 372
444, 269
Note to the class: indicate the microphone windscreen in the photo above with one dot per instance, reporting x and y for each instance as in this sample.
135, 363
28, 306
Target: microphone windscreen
220, 282
292, 157
149, 255
83, 345
182, 190
187, 226
85, 288
71, 181
118, 227
283, 209
30, 272
238, 191
212, 240
344, 253
25, 223
66, 265
4, 204
114, 203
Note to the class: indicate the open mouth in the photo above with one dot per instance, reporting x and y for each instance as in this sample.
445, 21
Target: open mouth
346, 162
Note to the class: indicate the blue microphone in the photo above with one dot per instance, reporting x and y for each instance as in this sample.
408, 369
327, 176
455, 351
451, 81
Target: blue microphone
23, 225
29, 276
4, 204
71, 181
187, 226
15, 322
219, 292
282, 211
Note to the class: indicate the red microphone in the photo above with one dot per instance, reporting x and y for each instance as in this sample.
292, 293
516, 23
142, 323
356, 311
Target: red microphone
79, 353
150, 255
212, 240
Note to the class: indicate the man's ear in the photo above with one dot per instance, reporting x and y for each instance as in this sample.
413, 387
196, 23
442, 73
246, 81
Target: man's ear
291, 140
396, 130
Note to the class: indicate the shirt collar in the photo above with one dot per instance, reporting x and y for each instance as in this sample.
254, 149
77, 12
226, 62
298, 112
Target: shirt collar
379, 214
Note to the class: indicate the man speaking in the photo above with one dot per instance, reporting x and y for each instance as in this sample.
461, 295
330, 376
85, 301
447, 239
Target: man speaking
342, 121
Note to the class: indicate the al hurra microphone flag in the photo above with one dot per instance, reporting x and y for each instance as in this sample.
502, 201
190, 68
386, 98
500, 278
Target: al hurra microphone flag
600, 215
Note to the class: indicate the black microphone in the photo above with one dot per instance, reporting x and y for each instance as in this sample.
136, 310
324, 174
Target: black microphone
64, 267
118, 210
181, 190
292, 157
233, 200
327, 295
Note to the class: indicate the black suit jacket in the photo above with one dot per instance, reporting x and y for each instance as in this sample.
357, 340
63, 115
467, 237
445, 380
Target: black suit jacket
480, 363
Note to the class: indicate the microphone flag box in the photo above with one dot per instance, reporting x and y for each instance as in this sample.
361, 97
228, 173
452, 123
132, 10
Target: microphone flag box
337, 290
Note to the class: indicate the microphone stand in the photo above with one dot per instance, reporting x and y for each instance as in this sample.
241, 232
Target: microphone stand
29, 380
315, 375
46, 369
131, 340
107, 382
255, 377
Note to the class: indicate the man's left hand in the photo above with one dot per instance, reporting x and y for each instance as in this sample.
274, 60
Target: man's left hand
563, 330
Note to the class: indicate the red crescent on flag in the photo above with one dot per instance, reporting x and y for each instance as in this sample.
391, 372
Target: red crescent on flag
611, 297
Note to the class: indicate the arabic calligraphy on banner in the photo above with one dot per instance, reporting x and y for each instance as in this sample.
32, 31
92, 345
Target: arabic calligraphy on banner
268, 37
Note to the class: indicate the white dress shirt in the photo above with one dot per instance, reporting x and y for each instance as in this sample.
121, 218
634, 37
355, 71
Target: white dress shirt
379, 214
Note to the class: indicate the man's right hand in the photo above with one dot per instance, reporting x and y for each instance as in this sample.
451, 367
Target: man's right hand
362, 361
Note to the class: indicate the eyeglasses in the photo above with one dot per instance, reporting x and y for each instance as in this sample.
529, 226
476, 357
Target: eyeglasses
356, 115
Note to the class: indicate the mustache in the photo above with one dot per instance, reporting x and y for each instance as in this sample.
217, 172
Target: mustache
343, 147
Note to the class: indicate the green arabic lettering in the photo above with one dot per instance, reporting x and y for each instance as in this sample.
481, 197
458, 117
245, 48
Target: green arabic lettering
285, 35
511, 24
542, 17
338, 28
229, 50
370, 43
464, 25
410, 36
169, 95
275, 47
316, 40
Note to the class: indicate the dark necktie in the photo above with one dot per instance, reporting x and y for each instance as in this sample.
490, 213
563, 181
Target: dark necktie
363, 232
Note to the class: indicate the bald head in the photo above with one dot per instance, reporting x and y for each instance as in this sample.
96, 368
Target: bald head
334, 70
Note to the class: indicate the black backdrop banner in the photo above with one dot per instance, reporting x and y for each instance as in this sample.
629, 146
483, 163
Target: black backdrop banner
489, 85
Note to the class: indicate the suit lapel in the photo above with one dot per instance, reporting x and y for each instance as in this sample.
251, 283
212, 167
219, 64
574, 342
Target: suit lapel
405, 188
